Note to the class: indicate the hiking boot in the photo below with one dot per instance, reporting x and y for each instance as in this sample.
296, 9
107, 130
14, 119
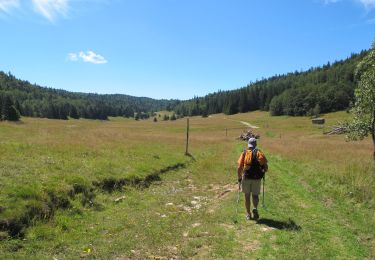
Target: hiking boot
248, 217
255, 214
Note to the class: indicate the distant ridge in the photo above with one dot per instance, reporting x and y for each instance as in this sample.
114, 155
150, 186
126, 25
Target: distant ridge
322, 89
36, 101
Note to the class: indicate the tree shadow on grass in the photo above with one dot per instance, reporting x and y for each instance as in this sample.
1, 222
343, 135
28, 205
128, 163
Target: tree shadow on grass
289, 225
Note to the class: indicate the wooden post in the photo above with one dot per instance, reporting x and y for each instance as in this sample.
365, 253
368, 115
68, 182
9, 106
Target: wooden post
226, 131
187, 137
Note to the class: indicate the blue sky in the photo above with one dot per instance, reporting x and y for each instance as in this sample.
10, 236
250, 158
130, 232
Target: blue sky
175, 48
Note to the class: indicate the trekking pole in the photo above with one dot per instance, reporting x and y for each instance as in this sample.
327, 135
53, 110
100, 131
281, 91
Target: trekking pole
264, 182
238, 201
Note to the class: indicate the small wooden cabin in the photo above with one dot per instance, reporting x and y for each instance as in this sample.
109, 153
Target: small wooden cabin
318, 121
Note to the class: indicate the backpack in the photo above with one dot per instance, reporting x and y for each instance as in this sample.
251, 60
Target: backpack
253, 170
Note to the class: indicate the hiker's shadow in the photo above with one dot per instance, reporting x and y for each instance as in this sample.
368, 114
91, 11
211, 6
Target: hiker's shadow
289, 225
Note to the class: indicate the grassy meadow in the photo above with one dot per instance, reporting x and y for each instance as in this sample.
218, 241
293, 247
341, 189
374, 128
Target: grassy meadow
123, 189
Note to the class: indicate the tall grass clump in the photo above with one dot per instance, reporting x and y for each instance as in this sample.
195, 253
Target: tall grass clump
360, 178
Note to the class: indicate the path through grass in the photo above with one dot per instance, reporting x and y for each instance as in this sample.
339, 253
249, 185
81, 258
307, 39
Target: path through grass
190, 211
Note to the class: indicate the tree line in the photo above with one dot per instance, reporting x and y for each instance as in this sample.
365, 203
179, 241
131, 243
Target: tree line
321, 89
36, 101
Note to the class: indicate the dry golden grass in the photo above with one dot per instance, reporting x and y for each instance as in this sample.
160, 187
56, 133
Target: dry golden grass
291, 137
297, 138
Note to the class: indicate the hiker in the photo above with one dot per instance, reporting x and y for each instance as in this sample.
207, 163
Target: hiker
252, 165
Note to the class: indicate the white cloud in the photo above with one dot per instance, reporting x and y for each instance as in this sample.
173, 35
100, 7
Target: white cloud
7, 5
92, 57
369, 4
50, 9
89, 56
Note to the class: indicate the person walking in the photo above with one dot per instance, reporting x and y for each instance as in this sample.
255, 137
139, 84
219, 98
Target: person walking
252, 165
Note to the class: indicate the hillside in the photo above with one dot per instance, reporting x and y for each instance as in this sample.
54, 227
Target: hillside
35, 101
323, 89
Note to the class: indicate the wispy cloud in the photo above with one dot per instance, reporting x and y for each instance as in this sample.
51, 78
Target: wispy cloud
72, 57
89, 56
7, 5
368, 4
51, 9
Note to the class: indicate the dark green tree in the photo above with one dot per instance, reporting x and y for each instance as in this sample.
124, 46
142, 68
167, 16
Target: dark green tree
73, 112
1, 107
9, 112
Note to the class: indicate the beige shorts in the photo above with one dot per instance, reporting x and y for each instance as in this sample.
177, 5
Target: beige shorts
251, 186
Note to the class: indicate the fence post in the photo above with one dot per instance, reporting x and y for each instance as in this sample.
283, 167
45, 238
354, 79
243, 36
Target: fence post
226, 131
187, 137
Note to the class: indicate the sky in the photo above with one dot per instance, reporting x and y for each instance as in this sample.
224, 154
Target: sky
175, 48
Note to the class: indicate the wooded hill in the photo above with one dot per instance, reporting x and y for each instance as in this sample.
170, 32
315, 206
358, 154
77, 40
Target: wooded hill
35, 101
322, 89
318, 90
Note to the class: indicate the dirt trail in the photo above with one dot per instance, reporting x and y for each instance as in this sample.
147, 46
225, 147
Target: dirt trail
244, 123
282, 225
248, 124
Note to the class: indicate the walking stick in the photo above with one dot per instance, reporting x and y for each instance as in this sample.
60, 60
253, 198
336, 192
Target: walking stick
238, 201
264, 182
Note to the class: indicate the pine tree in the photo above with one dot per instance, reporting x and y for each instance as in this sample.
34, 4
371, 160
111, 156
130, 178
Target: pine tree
316, 110
18, 107
10, 113
73, 112
1, 107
